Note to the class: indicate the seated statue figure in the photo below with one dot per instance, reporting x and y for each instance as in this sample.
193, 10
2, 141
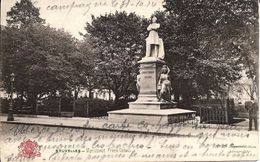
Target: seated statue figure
154, 44
164, 85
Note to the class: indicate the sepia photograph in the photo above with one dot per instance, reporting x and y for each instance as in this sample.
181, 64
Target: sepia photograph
129, 80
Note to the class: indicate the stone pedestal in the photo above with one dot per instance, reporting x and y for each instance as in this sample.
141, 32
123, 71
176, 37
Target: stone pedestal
150, 68
151, 105
147, 108
149, 75
136, 116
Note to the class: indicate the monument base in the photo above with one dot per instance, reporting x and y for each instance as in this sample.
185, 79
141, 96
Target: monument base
152, 105
164, 116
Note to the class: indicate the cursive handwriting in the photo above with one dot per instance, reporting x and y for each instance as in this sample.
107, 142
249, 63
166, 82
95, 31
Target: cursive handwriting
187, 142
88, 5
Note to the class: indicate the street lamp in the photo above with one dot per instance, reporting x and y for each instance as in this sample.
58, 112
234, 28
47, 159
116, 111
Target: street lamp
10, 110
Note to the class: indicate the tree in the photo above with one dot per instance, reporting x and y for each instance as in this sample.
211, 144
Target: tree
43, 59
202, 50
23, 13
119, 41
46, 61
87, 71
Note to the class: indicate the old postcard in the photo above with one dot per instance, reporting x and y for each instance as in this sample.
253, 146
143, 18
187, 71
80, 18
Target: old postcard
129, 80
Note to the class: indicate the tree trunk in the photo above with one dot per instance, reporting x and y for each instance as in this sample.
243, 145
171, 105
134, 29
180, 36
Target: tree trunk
90, 93
21, 101
187, 100
74, 100
109, 94
59, 108
116, 101
32, 99
34, 104
176, 96
76, 95
87, 106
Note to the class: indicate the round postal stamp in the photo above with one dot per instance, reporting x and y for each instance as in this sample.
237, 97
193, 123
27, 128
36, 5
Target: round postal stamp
29, 148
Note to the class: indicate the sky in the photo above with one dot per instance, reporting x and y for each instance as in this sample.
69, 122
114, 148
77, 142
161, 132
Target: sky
72, 15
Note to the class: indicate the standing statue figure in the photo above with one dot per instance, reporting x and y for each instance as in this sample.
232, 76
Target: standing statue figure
154, 44
164, 84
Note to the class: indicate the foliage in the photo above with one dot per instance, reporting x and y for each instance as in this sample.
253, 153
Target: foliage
118, 40
23, 13
87, 71
43, 59
201, 43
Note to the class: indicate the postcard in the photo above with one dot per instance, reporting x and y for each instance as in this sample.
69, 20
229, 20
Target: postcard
129, 80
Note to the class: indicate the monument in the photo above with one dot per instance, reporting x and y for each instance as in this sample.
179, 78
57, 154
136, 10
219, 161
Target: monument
154, 104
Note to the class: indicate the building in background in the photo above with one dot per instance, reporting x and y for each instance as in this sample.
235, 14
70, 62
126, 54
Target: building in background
104, 94
242, 90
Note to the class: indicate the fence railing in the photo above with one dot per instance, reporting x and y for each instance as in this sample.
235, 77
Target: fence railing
216, 111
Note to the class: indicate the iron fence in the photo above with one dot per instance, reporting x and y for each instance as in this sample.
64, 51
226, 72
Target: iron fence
217, 111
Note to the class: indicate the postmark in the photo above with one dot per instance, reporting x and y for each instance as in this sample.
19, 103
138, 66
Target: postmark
29, 148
